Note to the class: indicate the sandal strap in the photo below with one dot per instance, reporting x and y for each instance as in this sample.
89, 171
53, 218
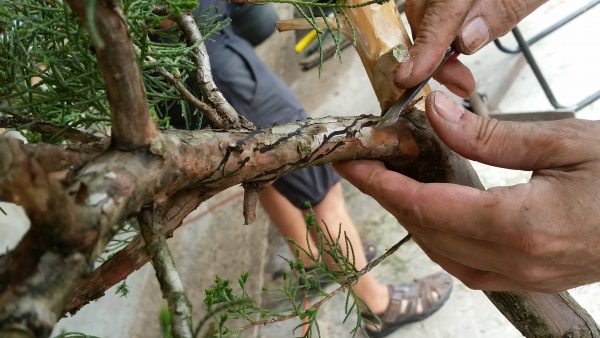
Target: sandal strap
413, 299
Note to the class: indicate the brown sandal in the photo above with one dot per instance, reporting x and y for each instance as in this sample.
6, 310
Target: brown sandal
410, 302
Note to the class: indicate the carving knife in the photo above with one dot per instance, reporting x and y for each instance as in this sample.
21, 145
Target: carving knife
392, 114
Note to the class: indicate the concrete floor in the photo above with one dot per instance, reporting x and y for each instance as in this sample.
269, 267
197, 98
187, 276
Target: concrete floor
215, 243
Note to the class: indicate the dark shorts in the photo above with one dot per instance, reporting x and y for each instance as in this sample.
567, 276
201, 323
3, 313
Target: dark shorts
259, 95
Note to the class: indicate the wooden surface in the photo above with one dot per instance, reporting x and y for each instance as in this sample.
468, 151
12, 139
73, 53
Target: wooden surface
382, 43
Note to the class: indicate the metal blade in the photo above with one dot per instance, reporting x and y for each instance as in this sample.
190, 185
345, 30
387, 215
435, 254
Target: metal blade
393, 114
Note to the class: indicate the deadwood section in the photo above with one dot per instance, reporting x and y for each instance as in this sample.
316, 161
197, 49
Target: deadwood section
132, 126
382, 43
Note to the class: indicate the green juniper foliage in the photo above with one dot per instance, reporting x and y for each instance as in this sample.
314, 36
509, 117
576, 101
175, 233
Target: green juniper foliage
122, 289
223, 303
48, 67
125, 235
165, 318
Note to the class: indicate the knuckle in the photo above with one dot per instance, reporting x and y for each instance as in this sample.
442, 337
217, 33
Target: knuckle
532, 276
511, 12
472, 281
532, 244
488, 131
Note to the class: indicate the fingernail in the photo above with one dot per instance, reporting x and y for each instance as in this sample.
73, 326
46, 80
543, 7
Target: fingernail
447, 108
403, 71
475, 34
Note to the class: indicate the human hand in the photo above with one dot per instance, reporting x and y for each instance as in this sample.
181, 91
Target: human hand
470, 24
541, 236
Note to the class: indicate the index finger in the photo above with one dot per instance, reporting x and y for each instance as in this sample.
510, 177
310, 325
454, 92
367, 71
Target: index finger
465, 211
437, 29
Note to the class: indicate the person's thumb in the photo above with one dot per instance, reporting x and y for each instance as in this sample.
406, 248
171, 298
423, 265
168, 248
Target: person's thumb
525, 146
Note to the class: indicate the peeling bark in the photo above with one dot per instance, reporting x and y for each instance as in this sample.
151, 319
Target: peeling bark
262, 156
133, 256
54, 158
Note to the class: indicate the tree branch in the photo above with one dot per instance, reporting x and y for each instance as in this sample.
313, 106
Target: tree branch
231, 119
133, 256
56, 157
38, 276
152, 225
117, 184
47, 128
230, 158
208, 111
343, 287
251, 192
132, 125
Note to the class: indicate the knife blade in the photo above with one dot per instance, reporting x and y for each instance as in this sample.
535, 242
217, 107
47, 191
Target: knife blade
393, 114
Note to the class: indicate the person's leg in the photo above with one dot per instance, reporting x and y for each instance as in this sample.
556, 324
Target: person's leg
332, 214
331, 211
260, 96
289, 220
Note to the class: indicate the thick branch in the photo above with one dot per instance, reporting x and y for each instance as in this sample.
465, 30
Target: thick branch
116, 184
50, 209
132, 126
220, 159
210, 92
38, 276
54, 157
152, 225
133, 256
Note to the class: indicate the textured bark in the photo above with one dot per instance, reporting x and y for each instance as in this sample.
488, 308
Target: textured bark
152, 224
36, 278
55, 158
543, 315
263, 155
132, 126
227, 117
133, 256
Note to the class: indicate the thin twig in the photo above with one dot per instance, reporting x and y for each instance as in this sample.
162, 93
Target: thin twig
47, 128
251, 192
340, 289
204, 77
208, 111
152, 223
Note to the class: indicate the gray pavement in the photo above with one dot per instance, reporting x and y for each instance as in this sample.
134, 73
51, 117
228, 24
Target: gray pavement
214, 241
